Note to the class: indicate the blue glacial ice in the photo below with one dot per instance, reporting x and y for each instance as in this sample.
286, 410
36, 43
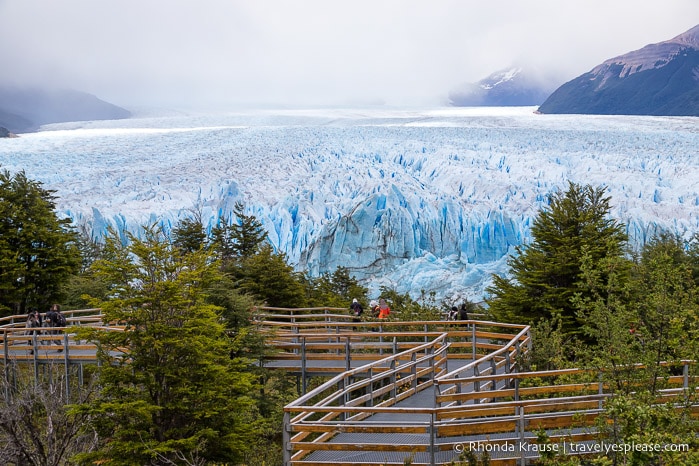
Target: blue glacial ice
426, 199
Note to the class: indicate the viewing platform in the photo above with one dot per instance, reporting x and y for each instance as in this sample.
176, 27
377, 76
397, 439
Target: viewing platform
392, 392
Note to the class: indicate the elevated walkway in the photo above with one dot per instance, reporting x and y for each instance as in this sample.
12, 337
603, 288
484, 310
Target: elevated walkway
420, 393
449, 388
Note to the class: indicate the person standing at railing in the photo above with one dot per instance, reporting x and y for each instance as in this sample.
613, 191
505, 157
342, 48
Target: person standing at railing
54, 318
453, 313
384, 310
463, 313
374, 306
357, 311
33, 324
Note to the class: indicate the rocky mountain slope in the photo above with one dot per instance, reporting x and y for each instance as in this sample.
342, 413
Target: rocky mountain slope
659, 79
510, 87
24, 110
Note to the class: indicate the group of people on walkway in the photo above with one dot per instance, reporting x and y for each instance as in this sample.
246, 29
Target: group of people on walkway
53, 319
456, 313
379, 309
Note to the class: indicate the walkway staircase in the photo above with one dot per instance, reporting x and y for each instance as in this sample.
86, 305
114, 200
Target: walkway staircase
397, 393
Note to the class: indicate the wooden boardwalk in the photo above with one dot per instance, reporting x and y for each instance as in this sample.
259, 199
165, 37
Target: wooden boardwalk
448, 388
397, 393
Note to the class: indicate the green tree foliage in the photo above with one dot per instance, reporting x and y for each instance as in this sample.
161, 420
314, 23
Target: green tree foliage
189, 235
403, 307
668, 310
82, 284
644, 312
179, 395
239, 238
269, 277
89, 248
643, 320
37, 249
545, 274
335, 289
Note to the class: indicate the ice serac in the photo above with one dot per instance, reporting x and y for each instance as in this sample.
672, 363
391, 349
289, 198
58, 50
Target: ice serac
424, 199
388, 230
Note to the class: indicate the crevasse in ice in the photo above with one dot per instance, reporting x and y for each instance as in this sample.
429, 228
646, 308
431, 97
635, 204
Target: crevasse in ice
425, 199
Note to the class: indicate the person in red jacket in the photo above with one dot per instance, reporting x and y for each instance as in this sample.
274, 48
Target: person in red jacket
384, 310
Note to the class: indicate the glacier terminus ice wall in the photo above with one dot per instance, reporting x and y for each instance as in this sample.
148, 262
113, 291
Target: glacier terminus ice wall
418, 200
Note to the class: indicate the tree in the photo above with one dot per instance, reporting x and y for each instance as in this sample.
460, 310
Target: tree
178, 396
336, 289
403, 307
666, 299
267, 276
546, 273
37, 249
238, 239
189, 235
642, 317
37, 426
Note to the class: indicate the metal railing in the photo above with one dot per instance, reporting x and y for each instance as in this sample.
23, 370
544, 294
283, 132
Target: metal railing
392, 396
405, 409
363, 401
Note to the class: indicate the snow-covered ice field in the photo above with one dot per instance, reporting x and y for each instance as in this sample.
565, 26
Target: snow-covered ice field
424, 199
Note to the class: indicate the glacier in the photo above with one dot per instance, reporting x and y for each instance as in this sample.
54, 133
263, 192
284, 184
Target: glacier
420, 200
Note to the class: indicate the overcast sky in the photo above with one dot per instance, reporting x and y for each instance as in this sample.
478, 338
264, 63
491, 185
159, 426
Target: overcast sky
202, 53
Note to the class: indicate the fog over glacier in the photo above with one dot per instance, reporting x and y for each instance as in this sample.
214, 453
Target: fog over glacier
428, 199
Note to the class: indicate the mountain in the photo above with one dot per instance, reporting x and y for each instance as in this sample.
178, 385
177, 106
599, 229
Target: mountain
24, 110
505, 88
659, 79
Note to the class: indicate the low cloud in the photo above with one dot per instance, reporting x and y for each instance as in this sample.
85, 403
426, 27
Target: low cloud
220, 52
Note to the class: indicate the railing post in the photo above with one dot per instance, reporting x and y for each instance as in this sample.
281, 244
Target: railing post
392, 379
494, 369
600, 389
413, 371
341, 385
473, 341
457, 390
6, 362
35, 353
303, 365
432, 436
522, 450
348, 356
476, 384
66, 363
380, 339
685, 375
6, 348
295, 330
286, 439
371, 387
